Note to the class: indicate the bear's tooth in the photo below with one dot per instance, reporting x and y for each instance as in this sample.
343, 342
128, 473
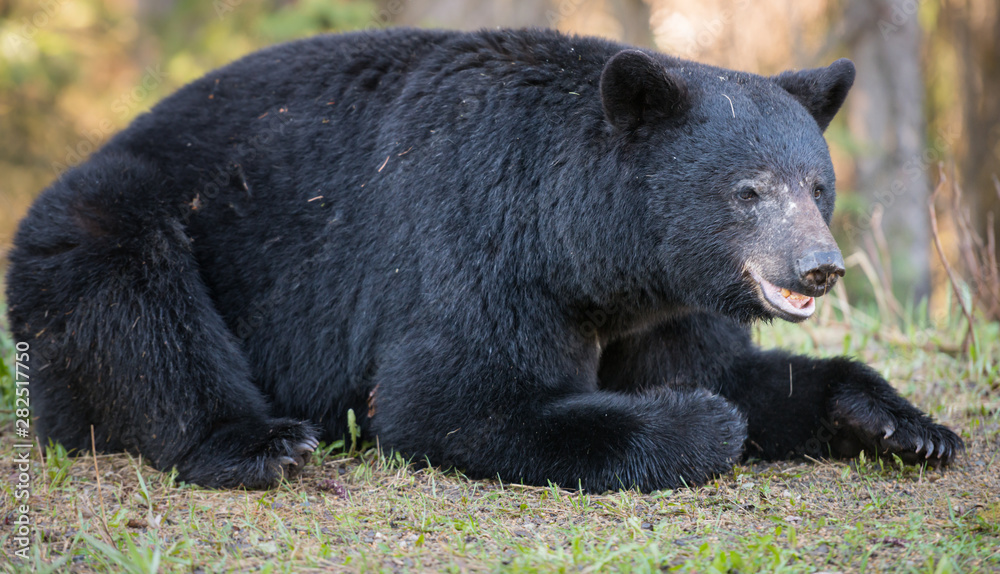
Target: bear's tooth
785, 292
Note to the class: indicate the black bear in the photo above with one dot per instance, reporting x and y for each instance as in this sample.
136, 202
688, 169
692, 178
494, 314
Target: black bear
518, 253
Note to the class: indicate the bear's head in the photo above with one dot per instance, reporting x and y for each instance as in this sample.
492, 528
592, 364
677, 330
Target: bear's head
737, 177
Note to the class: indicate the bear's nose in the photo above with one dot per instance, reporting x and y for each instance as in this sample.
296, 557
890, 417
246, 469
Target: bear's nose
819, 270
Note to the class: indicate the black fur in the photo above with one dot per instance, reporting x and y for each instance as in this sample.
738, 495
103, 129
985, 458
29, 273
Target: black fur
521, 254
822, 90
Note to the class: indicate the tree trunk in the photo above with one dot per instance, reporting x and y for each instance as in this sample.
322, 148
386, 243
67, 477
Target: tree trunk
886, 116
977, 32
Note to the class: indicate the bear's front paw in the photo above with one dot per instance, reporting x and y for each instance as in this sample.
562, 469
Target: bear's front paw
284, 453
251, 454
888, 425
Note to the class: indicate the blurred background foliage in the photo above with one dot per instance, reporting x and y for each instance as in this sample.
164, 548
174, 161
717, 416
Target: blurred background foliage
73, 72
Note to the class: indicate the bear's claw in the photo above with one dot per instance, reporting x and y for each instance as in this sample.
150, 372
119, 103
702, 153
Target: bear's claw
308, 445
890, 426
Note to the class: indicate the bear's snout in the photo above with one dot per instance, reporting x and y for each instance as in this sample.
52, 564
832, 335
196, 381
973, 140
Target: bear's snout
819, 270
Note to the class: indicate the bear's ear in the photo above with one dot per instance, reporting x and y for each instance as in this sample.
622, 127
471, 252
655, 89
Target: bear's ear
636, 89
821, 90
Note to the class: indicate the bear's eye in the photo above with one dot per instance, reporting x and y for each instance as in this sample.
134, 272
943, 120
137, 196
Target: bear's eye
747, 193
818, 191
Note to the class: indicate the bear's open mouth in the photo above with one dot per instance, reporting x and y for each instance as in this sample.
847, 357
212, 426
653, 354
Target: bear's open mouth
789, 303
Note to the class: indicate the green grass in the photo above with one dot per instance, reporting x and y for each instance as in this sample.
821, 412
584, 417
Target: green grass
354, 510
6, 372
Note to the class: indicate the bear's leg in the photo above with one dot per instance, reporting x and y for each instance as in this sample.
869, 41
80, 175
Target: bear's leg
458, 405
794, 405
798, 405
128, 340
